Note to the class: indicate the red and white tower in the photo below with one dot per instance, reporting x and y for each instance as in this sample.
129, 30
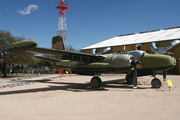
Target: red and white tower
62, 27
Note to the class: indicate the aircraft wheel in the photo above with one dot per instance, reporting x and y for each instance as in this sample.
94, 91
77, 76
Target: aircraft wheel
156, 83
96, 82
129, 79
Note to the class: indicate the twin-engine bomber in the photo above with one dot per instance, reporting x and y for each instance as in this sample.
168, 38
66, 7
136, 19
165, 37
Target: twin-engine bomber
133, 63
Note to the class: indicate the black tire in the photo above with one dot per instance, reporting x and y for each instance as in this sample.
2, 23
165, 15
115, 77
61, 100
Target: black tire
156, 83
96, 82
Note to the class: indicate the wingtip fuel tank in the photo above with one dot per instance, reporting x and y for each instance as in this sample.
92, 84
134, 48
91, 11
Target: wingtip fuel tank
21, 46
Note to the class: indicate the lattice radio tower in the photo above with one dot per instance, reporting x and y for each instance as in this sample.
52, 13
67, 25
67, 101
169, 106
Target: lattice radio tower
62, 27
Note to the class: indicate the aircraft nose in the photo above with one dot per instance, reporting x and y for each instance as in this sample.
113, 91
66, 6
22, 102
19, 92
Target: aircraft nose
165, 62
174, 61
169, 61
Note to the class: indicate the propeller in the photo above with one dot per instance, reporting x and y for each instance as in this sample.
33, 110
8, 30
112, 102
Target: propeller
134, 62
134, 69
93, 51
126, 49
105, 50
171, 45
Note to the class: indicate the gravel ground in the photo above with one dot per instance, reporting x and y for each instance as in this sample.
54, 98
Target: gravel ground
70, 97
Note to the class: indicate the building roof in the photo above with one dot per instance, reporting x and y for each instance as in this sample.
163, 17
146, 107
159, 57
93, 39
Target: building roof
142, 37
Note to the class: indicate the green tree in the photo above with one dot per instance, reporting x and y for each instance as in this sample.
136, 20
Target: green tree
43, 63
7, 38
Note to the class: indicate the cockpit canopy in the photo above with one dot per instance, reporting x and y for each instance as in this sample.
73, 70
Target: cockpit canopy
136, 53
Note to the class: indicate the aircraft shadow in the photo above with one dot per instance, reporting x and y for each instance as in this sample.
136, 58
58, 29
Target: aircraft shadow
76, 87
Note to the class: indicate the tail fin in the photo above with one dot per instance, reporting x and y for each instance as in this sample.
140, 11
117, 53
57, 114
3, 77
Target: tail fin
57, 43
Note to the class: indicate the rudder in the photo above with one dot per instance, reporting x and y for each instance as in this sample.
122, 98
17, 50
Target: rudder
57, 43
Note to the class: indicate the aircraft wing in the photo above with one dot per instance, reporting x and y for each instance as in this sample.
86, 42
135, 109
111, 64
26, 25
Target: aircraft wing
66, 55
47, 59
30, 46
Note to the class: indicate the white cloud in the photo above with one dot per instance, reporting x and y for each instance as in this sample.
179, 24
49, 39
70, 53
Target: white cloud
28, 9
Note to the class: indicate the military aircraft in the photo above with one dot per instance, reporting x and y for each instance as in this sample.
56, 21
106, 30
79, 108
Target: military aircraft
96, 64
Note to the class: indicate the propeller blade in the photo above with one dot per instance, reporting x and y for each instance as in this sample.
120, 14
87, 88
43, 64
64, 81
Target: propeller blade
93, 51
105, 50
134, 63
164, 75
140, 57
126, 49
135, 77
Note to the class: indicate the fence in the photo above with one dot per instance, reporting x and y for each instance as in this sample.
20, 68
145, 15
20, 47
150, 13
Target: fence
30, 71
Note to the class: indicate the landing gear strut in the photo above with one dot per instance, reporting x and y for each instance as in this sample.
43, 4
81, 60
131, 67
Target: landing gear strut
96, 82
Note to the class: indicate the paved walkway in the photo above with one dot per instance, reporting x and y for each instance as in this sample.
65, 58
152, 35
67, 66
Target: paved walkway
23, 81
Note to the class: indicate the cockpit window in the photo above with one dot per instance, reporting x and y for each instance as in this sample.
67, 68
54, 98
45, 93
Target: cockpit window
136, 53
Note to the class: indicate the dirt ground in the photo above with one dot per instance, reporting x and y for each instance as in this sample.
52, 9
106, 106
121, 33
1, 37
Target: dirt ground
70, 97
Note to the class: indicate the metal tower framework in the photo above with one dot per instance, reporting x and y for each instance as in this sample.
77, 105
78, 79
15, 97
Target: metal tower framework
62, 27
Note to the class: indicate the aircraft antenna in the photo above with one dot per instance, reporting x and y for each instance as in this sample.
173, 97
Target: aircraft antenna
62, 26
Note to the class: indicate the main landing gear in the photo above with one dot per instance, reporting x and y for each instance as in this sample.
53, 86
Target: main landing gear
156, 83
96, 82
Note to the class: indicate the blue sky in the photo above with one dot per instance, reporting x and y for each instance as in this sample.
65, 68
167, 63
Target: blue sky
88, 21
